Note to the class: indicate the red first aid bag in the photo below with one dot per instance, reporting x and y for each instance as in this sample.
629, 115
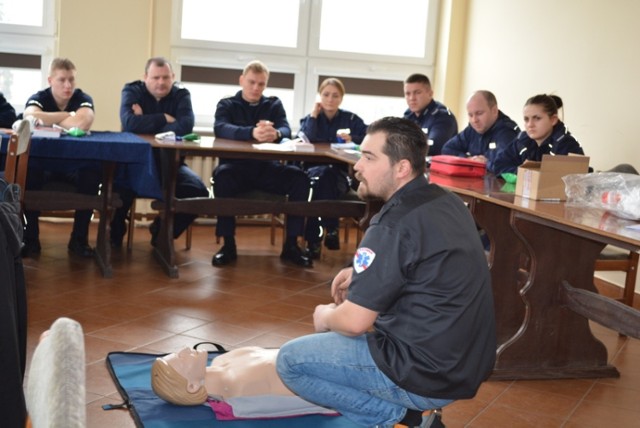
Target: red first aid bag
454, 165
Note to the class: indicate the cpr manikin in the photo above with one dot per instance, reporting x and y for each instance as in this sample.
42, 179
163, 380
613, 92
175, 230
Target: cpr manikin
245, 378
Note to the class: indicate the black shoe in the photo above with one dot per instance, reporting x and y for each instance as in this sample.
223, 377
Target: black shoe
80, 248
154, 230
313, 250
224, 256
295, 255
332, 240
30, 248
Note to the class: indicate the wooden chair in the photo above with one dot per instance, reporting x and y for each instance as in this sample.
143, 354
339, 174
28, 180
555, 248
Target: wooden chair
17, 157
614, 259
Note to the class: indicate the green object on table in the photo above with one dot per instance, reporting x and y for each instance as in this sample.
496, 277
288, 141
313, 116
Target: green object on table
191, 137
509, 177
76, 132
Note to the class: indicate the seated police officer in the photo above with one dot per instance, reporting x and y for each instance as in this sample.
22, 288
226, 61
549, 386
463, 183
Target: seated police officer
246, 116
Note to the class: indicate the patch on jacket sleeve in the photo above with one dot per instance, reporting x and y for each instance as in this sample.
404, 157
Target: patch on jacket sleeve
363, 259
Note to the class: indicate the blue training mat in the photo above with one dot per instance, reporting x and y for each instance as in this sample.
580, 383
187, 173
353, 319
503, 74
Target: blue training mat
131, 373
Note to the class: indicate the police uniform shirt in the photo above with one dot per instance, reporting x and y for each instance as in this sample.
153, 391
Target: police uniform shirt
422, 267
560, 142
177, 103
324, 129
44, 99
470, 143
438, 122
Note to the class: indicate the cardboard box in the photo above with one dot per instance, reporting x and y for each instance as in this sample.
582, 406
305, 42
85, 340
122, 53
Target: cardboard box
543, 180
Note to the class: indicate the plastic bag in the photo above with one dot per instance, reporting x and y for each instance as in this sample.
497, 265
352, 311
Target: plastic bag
615, 192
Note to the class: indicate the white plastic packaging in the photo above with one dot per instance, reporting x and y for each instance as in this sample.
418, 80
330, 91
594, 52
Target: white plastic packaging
615, 192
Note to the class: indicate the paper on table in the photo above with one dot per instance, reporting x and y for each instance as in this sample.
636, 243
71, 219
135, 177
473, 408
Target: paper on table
296, 145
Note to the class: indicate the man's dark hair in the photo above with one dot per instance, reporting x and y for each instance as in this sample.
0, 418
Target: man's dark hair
418, 78
159, 61
404, 140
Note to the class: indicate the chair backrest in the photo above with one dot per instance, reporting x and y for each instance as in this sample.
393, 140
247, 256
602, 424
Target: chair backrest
17, 159
55, 392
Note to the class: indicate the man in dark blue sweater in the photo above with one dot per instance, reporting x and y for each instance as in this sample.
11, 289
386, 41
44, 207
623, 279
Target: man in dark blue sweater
488, 133
150, 106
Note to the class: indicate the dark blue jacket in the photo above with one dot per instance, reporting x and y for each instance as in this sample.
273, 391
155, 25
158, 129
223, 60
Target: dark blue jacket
323, 129
235, 118
438, 121
152, 121
470, 143
44, 99
523, 148
7, 113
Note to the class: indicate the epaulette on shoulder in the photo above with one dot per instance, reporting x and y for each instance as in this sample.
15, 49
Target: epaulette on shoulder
439, 110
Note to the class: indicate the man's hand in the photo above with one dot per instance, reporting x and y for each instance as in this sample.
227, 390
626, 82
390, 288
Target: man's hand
479, 158
137, 110
264, 132
340, 284
169, 118
321, 315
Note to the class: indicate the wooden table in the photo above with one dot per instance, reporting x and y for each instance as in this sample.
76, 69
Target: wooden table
124, 157
171, 153
542, 265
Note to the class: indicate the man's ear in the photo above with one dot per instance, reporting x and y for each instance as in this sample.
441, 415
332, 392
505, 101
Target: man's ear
403, 168
192, 387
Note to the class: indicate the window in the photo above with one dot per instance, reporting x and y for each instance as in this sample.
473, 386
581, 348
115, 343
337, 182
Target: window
26, 43
23, 12
306, 40
19, 76
226, 21
399, 30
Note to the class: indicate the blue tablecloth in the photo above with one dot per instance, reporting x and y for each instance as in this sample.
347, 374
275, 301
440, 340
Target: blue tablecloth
136, 168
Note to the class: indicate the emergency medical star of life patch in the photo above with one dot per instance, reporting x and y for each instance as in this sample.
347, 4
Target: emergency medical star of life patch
363, 259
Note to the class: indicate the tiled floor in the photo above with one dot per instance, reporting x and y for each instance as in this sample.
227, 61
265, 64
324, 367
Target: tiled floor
261, 301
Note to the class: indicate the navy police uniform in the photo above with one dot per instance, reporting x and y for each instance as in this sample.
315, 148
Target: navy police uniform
7, 113
152, 121
435, 333
437, 121
470, 143
331, 181
86, 178
560, 142
235, 119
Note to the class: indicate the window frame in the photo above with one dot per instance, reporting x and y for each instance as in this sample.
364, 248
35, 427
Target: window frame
178, 42
31, 40
427, 59
47, 28
306, 62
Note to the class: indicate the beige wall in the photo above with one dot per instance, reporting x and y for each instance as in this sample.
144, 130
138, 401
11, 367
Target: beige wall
109, 41
585, 51
582, 50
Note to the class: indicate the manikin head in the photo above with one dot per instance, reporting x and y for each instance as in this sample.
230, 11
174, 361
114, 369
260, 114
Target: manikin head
179, 377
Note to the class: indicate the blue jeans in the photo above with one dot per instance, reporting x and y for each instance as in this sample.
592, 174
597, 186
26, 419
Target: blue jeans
337, 371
